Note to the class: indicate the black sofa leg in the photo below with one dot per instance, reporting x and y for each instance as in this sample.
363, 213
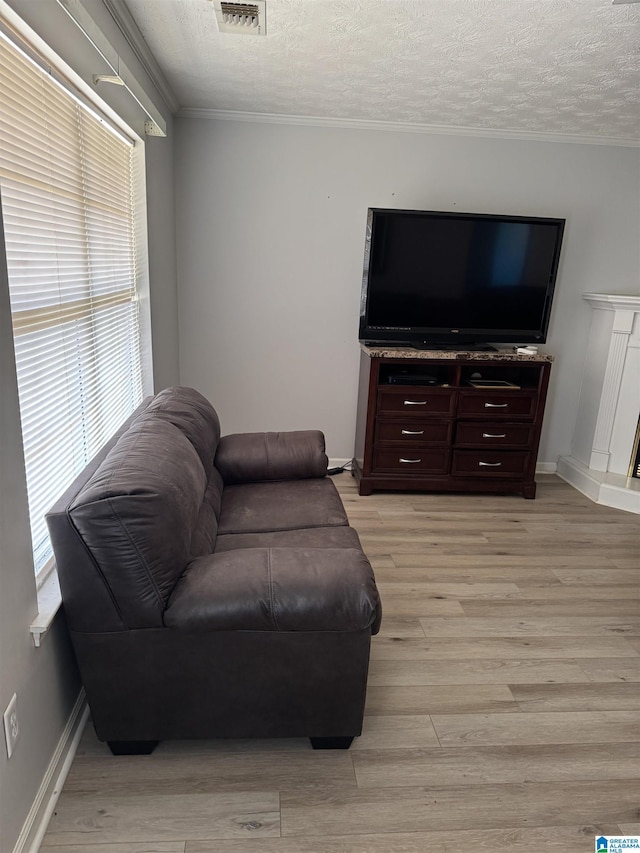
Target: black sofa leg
331, 742
132, 747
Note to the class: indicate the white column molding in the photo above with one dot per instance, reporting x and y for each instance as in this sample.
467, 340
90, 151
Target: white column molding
623, 320
609, 398
609, 405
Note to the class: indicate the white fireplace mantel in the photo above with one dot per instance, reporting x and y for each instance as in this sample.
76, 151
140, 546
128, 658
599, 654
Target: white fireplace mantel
609, 405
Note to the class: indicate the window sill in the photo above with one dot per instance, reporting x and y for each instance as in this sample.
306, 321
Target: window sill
49, 602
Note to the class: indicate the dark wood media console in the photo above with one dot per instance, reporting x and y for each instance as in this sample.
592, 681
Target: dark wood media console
423, 426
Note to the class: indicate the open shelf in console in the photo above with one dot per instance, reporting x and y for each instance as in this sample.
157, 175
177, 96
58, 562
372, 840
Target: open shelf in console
424, 374
522, 375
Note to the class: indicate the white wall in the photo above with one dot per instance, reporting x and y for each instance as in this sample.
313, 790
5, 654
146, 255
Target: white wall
45, 679
270, 224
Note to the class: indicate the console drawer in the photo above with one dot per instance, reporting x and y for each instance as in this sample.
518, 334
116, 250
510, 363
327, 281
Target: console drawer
489, 463
493, 435
414, 432
509, 404
416, 402
413, 460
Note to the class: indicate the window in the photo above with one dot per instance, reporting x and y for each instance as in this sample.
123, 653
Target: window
67, 202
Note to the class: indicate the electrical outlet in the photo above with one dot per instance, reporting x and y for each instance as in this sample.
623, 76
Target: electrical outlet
11, 728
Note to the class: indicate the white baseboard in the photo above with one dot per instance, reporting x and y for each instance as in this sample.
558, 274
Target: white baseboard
609, 489
338, 463
35, 825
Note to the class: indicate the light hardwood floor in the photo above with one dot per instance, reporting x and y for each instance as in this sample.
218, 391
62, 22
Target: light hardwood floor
502, 711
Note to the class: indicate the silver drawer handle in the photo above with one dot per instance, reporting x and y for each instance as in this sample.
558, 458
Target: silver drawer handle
489, 464
412, 432
416, 402
489, 435
410, 461
496, 405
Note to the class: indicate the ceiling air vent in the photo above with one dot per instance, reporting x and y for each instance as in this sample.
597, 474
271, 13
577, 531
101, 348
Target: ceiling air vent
246, 19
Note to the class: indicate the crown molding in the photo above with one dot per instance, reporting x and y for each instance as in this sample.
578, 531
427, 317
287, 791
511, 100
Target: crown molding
130, 30
403, 127
614, 301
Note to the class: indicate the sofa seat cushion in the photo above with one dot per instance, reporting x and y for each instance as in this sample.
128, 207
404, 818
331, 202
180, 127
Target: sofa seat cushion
276, 589
289, 505
308, 537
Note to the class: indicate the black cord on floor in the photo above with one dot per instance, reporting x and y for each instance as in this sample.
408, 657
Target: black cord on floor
332, 471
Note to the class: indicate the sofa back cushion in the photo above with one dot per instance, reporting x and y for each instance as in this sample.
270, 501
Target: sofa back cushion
194, 416
205, 533
136, 516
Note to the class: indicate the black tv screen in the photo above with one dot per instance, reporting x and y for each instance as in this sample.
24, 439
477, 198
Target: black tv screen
458, 278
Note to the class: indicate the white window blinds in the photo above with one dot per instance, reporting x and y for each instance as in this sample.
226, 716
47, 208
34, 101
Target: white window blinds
66, 192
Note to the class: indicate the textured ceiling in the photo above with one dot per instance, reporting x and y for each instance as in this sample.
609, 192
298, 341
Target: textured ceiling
568, 67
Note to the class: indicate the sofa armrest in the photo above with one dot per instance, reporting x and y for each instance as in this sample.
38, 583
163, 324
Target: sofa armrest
276, 589
253, 457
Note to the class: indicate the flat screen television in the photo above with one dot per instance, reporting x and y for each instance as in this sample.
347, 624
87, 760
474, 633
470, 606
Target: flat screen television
457, 279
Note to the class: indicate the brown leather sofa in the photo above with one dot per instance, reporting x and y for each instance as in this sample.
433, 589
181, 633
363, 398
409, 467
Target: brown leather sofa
212, 586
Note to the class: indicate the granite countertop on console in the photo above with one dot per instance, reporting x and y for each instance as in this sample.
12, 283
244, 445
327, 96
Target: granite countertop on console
503, 353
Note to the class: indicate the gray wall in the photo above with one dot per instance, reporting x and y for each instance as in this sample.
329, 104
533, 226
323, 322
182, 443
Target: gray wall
161, 234
270, 225
45, 679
